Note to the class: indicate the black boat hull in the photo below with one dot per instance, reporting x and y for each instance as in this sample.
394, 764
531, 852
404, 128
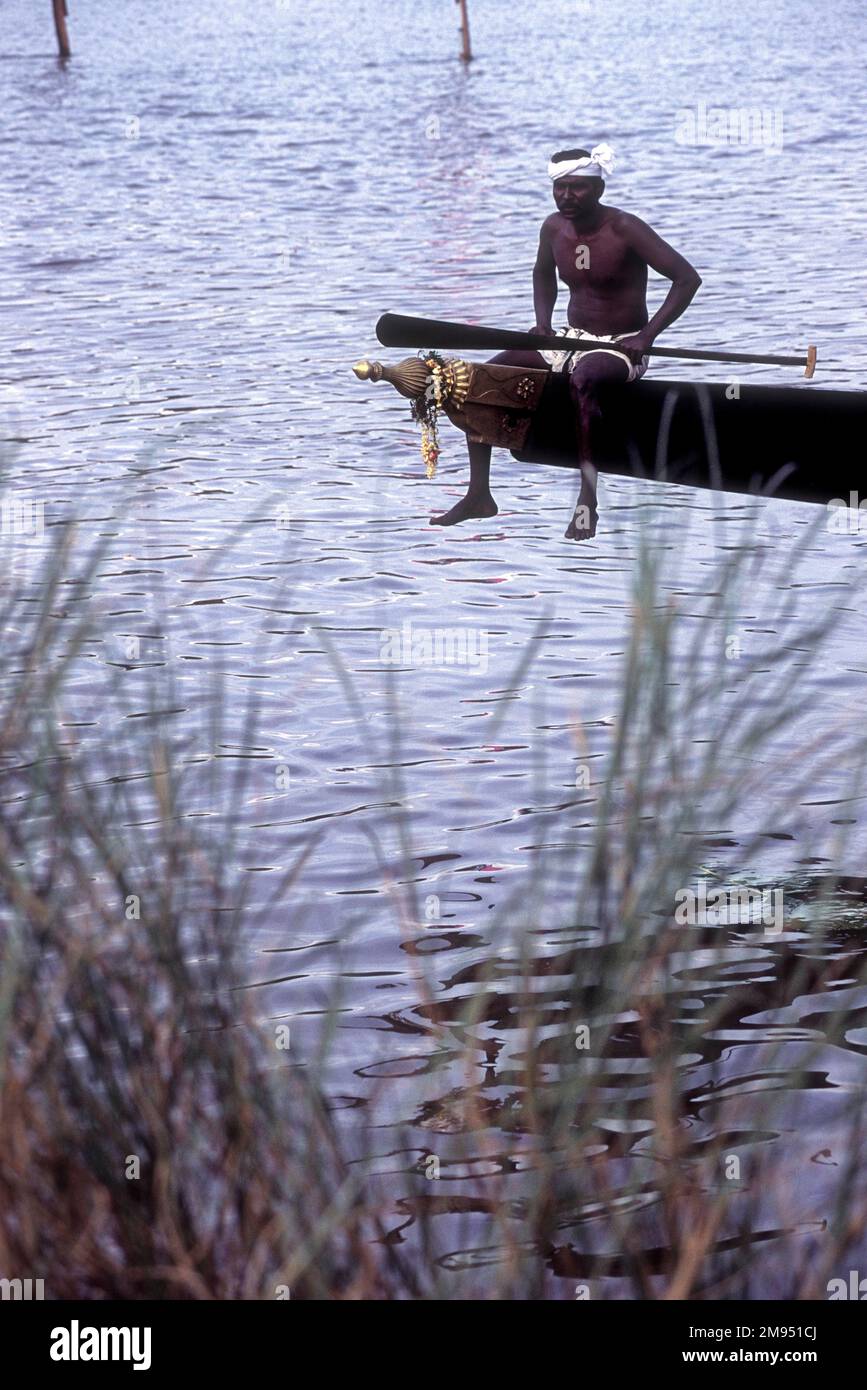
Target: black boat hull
799, 443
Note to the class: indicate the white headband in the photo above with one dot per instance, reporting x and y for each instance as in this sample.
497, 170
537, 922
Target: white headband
596, 165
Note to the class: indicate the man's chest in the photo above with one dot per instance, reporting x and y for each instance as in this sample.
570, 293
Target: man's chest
594, 259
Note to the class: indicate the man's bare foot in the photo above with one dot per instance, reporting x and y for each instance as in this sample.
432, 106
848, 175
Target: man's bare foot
466, 509
582, 527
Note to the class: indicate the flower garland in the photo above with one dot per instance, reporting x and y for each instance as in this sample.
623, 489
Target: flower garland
425, 410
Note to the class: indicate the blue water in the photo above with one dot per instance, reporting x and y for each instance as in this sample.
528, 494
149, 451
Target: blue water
203, 214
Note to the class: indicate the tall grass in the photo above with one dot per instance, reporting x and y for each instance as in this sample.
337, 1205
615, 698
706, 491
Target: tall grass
158, 1138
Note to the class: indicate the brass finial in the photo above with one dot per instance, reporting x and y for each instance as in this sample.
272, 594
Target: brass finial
368, 371
409, 377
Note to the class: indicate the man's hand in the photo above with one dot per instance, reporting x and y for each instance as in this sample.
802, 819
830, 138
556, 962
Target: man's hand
543, 329
635, 345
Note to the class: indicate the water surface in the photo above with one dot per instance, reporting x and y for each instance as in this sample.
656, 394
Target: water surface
203, 214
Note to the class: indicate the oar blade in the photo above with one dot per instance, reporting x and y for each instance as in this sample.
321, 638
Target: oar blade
401, 330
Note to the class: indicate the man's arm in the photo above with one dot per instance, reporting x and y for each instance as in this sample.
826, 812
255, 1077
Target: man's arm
544, 283
662, 258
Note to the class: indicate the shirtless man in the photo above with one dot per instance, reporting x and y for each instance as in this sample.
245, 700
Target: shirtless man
602, 254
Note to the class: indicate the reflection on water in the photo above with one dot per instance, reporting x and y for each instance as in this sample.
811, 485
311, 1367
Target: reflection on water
198, 236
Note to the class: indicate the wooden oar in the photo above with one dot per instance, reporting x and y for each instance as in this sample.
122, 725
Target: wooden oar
399, 330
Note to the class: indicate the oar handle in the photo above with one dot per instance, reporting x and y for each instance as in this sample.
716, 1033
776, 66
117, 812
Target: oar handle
401, 330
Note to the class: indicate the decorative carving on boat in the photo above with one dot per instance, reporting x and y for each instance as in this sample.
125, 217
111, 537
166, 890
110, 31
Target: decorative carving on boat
492, 403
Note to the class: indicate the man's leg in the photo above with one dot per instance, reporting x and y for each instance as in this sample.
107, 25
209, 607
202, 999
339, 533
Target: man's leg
479, 500
583, 381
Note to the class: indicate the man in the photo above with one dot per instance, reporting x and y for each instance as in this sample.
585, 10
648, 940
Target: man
602, 254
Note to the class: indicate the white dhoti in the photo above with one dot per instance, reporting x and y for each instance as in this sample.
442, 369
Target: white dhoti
566, 361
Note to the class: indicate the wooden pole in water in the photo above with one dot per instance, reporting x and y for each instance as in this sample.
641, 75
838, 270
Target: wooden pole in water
466, 51
60, 13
